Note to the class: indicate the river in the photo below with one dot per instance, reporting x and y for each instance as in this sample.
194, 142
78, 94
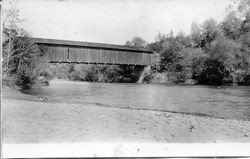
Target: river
220, 102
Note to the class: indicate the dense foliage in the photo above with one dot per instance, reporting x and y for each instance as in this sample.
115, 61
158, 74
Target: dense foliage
20, 55
214, 53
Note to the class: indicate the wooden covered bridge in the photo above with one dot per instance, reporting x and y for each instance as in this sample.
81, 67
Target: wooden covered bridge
62, 51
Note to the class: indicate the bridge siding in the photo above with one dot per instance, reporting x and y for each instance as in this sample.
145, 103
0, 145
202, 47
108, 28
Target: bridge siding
81, 54
92, 55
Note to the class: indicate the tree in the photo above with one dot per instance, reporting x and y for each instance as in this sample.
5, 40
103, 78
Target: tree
231, 25
20, 54
228, 53
196, 35
183, 39
170, 54
192, 62
160, 37
137, 42
243, 10
243, 7
210, 31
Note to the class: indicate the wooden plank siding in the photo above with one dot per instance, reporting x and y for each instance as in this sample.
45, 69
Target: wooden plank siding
77, 52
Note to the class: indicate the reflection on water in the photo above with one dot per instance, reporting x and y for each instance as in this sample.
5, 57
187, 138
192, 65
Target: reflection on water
223, 102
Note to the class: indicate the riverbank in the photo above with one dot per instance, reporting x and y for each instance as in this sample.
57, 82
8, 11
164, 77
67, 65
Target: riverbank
29, 119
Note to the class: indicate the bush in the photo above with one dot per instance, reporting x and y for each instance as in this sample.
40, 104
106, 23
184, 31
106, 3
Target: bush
22, 63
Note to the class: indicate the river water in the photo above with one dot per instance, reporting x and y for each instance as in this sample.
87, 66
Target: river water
221, 102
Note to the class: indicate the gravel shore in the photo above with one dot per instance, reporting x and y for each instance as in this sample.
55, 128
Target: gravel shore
29, 119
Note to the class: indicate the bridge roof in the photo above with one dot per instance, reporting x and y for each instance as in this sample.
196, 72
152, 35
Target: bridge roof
90, 45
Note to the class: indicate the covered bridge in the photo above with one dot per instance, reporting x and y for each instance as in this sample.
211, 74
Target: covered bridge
62, 51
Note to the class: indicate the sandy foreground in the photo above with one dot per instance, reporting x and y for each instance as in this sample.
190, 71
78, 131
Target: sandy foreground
27, 119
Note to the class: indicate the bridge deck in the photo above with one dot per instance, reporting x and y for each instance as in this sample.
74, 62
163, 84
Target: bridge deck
98, 53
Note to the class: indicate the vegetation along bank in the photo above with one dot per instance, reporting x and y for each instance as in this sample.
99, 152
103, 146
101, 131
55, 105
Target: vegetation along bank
212, 54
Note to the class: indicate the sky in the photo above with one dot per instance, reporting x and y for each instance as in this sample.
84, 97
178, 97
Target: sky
113, 21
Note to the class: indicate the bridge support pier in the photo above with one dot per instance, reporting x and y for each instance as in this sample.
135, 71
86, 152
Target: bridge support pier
142, 72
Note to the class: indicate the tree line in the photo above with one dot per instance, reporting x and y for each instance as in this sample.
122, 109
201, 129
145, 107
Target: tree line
212, 54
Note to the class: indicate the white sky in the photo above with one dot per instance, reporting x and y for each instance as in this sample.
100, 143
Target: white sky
113, 21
